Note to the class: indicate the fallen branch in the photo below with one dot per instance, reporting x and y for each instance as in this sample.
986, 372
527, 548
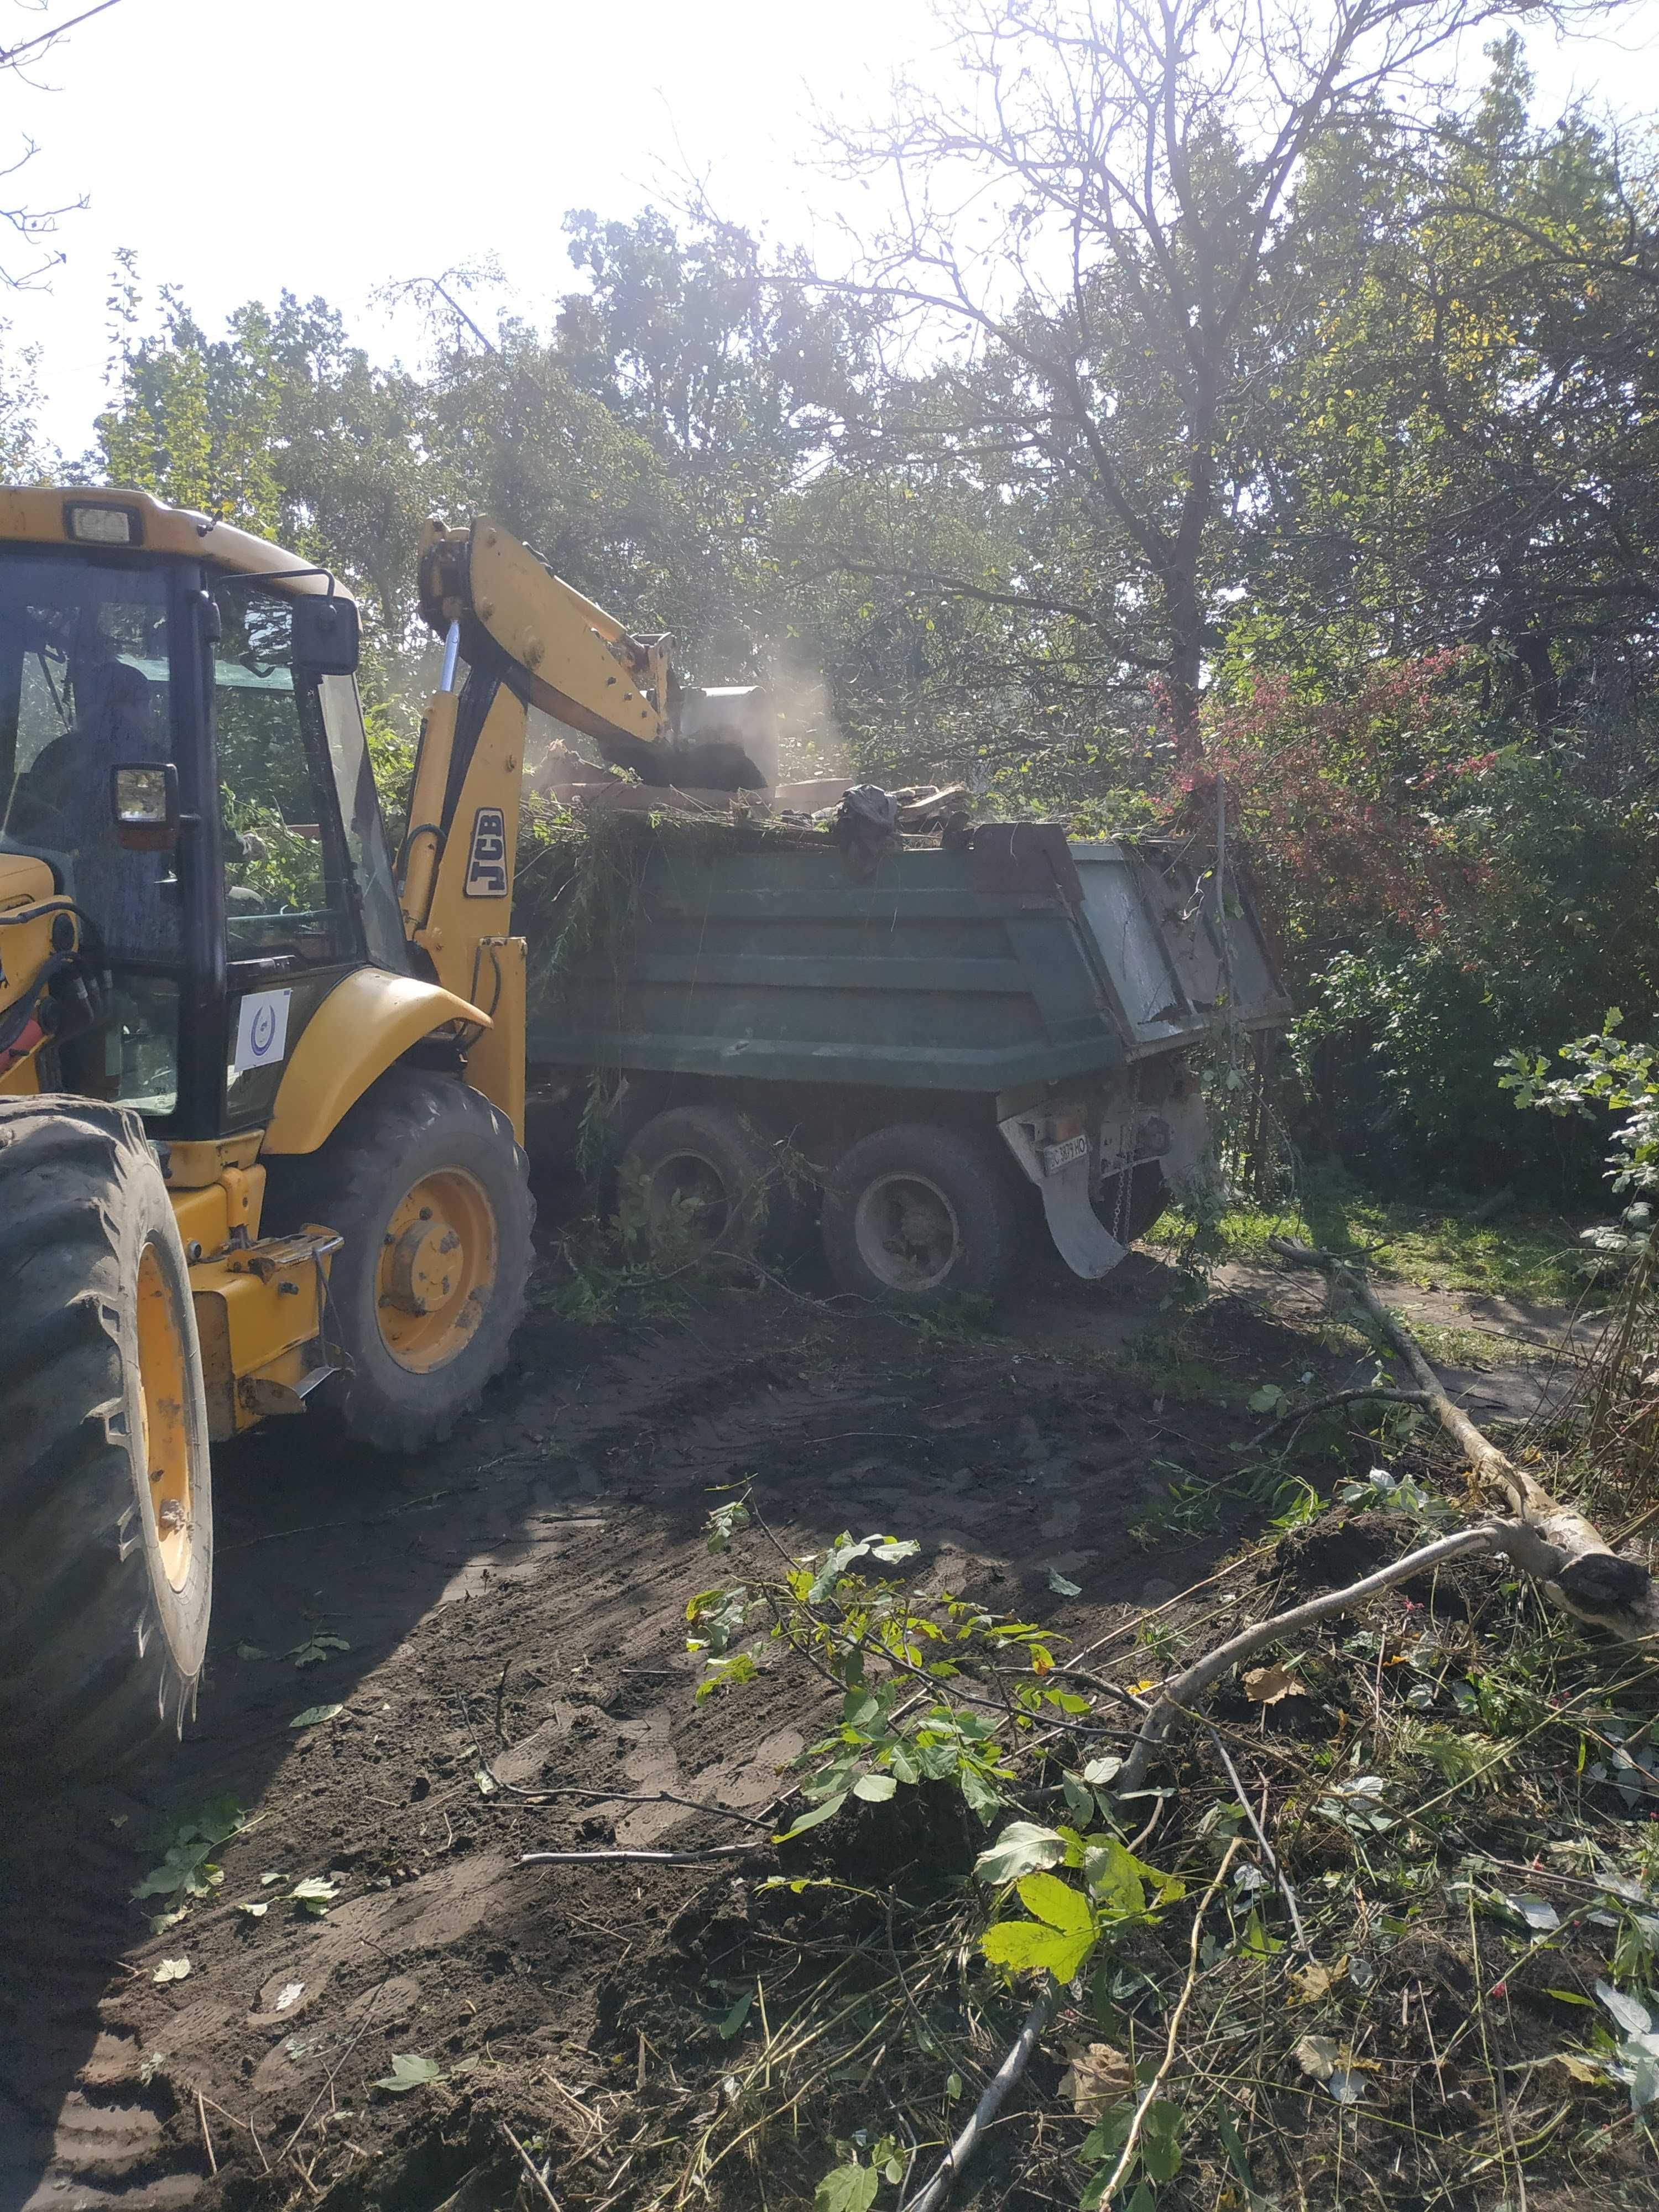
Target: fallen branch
1585, 1578
949, 2170
1368, 1393
1181, 1691
656, 1858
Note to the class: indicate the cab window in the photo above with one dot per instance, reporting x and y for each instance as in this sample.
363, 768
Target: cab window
84, 689
290, 896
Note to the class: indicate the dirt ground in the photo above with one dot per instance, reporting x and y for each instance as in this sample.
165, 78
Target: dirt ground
516, 1600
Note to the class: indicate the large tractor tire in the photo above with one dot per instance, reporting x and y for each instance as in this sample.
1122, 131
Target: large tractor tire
916, 1213
425, 1182
106, 1496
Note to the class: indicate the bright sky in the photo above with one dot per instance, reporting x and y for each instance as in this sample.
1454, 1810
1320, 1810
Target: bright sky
239, 146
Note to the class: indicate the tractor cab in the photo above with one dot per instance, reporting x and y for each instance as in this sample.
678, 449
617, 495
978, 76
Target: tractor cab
184, 777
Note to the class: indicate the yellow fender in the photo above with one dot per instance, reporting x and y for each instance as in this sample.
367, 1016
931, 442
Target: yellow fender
366, 1022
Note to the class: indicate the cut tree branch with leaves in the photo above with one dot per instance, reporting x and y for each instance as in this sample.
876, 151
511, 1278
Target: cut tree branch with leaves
919, 1671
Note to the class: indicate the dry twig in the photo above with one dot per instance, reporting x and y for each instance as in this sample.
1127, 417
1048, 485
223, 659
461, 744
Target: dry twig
1125, 2157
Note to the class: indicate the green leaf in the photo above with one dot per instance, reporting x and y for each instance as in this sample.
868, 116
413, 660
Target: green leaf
735, 2019
1100, 1771
1109, 2135
314, 1716
315, 1895
1233, 2145
255, 1911
1047, 1897
1570, 1997
1079, 1797
1113, 1874
982, 1799
1022, 1848
170, 1970
1028, 1945
1160, 2140
410, 2071
316, 1649
1062, 1587
846, 2189
830, 1807
1256, 1942
874, 1789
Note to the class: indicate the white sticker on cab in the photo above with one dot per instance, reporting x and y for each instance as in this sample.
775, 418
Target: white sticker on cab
262, 1029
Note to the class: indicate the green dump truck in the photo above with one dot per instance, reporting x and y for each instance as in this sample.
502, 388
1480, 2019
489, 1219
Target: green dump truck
947, 1045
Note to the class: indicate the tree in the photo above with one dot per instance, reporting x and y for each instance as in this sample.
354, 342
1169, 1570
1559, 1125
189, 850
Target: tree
1111, 216
1465, 433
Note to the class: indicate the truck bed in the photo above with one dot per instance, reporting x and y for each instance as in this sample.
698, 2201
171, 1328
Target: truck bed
1024, 960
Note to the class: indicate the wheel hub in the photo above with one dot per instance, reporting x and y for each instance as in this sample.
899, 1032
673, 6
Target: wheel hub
436, 1269
907, 1232
687, 1196
420, 1271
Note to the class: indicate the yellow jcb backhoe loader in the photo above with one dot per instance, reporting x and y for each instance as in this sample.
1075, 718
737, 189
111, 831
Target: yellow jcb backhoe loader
261, 1095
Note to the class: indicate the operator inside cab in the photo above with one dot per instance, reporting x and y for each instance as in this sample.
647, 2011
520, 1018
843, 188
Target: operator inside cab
83, 669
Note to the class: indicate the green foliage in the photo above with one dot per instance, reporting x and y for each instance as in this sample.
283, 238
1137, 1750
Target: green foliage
884, 1643
1158, 2151
850, 2188
1402, 1031
189, 1867
1610, 1072
1521, 1254
1059, 1937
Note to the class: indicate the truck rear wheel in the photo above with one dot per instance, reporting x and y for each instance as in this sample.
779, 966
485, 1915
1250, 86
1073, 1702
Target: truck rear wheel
106, 1493
702, 1178
916, 1213
424, 1182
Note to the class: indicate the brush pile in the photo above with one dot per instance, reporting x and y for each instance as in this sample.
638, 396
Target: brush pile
1379, 1900
580, 867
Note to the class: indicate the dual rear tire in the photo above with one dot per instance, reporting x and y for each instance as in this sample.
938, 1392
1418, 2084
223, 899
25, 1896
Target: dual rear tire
913, 1214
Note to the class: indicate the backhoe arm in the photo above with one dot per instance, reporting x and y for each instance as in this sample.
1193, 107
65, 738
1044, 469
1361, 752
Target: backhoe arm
527, 638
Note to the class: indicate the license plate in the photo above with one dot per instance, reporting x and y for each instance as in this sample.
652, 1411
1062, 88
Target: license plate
1056, 1157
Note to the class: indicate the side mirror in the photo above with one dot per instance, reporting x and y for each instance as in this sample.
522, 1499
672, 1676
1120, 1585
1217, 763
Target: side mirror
325, 640
144, 801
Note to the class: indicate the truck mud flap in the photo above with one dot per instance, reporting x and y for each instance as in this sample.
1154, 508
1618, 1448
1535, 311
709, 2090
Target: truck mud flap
1087, 1247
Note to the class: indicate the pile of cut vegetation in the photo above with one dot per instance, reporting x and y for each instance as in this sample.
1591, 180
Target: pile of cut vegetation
1342, 1866
580, 870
